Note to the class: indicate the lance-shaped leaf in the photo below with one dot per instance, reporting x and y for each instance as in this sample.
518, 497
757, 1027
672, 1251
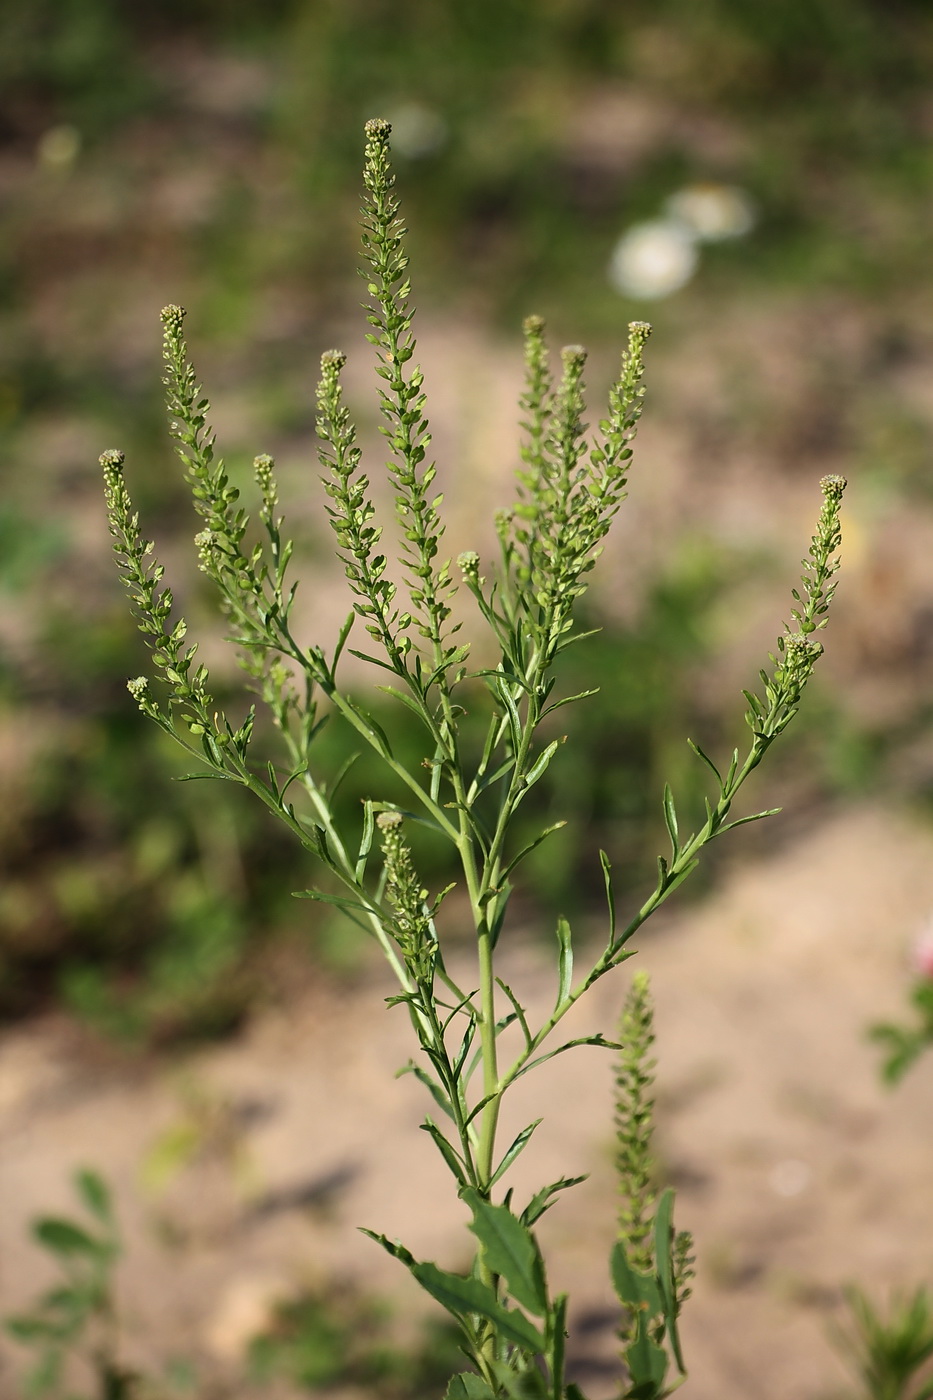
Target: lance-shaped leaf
544, 1199
532, 846
510, 1249
705, 758
663, 1241
557, 1335
95, 1194
610, 895
565, 961
468, 1386
517, 1147
436, 1090
638, 1292
65, 1238
743, 821
447, 1151
539, 767
647, 1366
527, 1384
598, 1040
462, 1296
670, 820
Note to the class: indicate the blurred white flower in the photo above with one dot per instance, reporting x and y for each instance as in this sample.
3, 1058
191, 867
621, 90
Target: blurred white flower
653, 259
58, 148
416, 130
712, 212
789, 1178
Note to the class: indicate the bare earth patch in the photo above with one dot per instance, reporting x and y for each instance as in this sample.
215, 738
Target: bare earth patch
795, 1170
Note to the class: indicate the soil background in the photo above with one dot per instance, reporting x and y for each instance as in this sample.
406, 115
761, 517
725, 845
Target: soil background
242, 1167
795, 1171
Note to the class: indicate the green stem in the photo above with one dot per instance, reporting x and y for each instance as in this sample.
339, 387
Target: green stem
610, 958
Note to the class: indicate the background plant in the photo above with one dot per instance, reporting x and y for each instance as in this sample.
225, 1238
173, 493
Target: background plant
206, 161
77, 1319
891, 1350
471, 781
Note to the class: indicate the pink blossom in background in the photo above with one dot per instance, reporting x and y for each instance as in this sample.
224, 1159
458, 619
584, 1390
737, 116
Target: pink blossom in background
923, 952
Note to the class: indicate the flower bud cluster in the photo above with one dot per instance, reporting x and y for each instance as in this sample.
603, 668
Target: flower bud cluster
412, 923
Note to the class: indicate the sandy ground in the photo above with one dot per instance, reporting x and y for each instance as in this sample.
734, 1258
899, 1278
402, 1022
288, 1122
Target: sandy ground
795, 1170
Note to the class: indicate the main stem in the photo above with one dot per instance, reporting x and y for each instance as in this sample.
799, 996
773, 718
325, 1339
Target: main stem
490, 1115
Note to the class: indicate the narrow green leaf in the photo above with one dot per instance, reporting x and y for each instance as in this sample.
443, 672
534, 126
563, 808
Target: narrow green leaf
707, 760
340, 900
450, 1156
557, 1329
465, 1046
569, 700
468, 1295
499, 908
478, 1107
65, 1238
636, 1291
373, 660
532, 846
743, 821
670, 821
598, 1040
366, 841
647, 1365
95, 1194
610, 894
733, 769
505, 767
565, 961
393, 1247
539, 767
526, 1384
680, 877
410, 703
519, 1014
45, 1378
754, 704
510, 1249
468, 1386
517, 1147
501, 689
341, 773
663, 1241
435, 1089
544, 1199
342, 639
33, 1329
372, 726
575, 637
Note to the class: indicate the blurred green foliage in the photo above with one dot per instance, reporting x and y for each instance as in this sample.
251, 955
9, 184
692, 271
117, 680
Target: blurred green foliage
890, 1350
210, 152
341, 1338
821, 109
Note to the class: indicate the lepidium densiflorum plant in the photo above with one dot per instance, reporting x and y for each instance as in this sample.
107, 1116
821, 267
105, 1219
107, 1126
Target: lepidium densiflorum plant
475, 1035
